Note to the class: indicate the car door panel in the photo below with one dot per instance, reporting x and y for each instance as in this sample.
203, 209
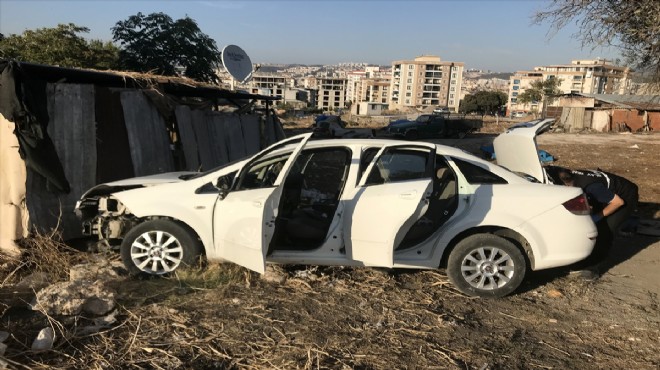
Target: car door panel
382, 217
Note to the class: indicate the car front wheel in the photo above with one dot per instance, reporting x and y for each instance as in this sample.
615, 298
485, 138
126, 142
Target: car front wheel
486, 265
159, 247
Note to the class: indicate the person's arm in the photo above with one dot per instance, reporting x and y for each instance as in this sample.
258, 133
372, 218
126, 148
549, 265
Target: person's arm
612, 206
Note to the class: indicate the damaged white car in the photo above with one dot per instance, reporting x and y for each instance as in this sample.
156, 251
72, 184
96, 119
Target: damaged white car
357, 202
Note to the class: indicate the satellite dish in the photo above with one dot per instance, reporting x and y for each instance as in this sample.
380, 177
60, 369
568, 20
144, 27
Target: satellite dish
237, 63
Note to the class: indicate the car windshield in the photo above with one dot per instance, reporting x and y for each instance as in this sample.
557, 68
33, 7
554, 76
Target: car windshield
191, 176
423, 119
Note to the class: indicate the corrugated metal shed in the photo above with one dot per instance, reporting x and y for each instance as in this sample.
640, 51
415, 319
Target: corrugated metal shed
642, 102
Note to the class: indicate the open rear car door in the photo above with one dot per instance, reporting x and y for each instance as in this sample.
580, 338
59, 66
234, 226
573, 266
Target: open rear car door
393, 194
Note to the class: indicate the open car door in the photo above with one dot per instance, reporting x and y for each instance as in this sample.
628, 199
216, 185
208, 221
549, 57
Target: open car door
244, 221
393, 194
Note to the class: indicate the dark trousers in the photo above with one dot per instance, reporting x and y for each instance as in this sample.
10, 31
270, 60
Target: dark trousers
608, 228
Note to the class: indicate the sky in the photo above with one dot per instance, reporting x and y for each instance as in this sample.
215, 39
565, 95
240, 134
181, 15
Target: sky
490, 35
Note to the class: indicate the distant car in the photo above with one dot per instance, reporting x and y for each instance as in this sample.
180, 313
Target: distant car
431, 126
358, 202
441, 110
518, 114
333, 127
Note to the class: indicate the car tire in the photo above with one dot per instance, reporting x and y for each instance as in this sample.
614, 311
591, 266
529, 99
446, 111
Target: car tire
159, 247
474, 269
412, 135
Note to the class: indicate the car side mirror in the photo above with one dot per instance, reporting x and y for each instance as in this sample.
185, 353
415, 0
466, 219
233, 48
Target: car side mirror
223, 187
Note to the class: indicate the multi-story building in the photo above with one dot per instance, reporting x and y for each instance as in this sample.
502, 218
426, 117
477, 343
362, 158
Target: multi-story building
270, 84
590, 76
425, 82
331, 93
373, 90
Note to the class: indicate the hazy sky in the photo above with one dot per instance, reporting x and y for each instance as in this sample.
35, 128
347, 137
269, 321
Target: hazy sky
495, 35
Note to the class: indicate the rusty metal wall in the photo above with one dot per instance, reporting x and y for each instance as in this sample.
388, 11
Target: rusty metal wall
147, 135
72, 112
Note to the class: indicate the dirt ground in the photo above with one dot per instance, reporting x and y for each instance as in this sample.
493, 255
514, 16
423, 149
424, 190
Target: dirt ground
307, 317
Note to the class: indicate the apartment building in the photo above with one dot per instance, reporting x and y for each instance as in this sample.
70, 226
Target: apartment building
586, 76
425, 82
331, 93
270, 84
373, 90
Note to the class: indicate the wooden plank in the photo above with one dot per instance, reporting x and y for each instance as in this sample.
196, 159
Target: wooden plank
218, 142
72, 129
147, 135
233, 136
251, 136
113, 151
188, 139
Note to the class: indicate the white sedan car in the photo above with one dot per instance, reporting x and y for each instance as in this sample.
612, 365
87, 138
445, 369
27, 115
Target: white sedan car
357, 202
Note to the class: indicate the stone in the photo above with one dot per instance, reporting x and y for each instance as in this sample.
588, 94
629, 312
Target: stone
73, 297
36, 281
274, 275
44, 340
93, 271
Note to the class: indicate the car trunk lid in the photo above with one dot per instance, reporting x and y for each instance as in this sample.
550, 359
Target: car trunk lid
516, 148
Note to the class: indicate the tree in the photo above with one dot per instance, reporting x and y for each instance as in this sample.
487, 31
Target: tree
61, 46
631, 26
155, 43
545, 91
484, 102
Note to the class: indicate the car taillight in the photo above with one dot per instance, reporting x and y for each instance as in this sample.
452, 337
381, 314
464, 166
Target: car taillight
578, 205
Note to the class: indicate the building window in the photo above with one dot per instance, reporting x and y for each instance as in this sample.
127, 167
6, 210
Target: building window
451, 96
410, 74
515, 82
516, 87
514, 94
513, 100
411, 66
408, 87
451, 102
452, 88
453, 82
453, 75
407, 101
409, 80
408, 94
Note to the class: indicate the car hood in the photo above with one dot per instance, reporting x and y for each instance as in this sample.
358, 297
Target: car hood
516, 148
137, 182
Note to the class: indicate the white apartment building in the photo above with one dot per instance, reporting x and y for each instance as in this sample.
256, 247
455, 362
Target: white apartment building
588, 76
425, 82
331, 93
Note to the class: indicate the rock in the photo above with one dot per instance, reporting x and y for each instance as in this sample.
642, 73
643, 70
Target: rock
554, 293
44, 340
36, 281
274, 275
102, 270
74, 297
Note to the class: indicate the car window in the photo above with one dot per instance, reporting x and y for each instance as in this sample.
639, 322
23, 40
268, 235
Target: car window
477, 175
263, 173
366, 158
399, 165
324, 172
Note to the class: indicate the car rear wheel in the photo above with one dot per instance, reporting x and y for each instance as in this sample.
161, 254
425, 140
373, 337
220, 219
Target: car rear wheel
486, 265
159, 247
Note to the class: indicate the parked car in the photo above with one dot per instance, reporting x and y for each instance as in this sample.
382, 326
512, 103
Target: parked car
518, 114
441, 110
357, 202
431, 126
333, 127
